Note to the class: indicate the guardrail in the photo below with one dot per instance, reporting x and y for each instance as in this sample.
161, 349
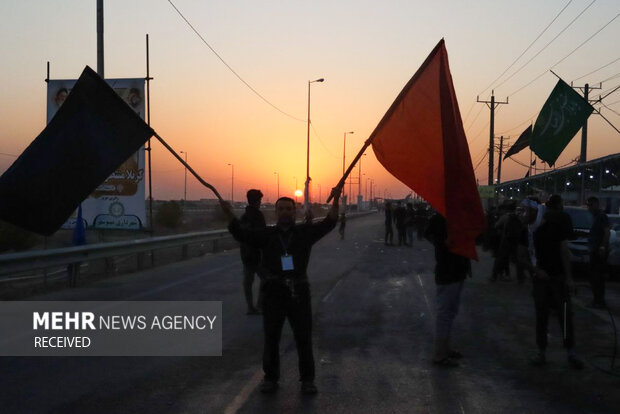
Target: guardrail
13, 263
40, 259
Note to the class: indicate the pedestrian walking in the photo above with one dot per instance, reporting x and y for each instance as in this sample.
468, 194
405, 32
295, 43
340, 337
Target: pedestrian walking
252, 220
286, 251
450, 272
410, 223
551, 276
400, 218
389, 232
343, 225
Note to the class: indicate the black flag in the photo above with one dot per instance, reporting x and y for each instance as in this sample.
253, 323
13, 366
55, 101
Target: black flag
521, 143
92, 134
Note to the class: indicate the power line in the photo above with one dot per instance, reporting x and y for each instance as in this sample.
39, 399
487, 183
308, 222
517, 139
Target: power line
322, 143
586, 41
527, 48
544, 47
617, 75
518, 125
8, 155
230, 68
597, 69
474, 120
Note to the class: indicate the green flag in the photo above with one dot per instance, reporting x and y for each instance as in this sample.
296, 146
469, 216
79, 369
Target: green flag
560, 118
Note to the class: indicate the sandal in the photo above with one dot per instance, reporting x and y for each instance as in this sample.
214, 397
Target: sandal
446, 362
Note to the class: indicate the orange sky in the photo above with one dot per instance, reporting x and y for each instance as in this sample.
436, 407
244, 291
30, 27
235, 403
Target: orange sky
366, 51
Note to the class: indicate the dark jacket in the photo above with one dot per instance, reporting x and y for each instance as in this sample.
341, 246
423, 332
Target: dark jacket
450, 267
252, 219
274, 243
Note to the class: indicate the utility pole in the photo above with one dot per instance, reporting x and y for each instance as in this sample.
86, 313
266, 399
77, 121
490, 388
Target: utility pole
100, 38
584, 130
492, 104
500, 147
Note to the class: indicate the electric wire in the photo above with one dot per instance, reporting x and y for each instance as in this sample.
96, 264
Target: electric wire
596, 70
8, 155
617, 75
547, 45
230, 68
474, 120
527, 48
321, 141
586, 41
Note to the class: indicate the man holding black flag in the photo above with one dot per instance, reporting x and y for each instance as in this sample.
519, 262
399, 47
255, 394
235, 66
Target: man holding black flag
285, 251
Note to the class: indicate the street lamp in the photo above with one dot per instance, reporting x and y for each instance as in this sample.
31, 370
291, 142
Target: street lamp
278, 174
344, 153
307, 185
359, 182
185, 179
232, 185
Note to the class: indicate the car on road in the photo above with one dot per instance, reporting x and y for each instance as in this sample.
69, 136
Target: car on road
578, 245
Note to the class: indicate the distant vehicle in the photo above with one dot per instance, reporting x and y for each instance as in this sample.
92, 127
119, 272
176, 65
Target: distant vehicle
614, 244
578, 245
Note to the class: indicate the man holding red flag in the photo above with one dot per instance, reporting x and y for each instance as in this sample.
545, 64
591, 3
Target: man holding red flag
421, 141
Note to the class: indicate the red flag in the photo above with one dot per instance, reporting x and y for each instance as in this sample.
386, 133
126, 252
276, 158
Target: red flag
421, 141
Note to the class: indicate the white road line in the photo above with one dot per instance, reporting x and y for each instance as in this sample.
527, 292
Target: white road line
424, 293
244, 394
326, 298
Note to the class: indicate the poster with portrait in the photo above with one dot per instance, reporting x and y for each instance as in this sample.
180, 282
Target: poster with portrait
118, 203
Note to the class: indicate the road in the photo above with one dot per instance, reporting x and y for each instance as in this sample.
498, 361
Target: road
374, 315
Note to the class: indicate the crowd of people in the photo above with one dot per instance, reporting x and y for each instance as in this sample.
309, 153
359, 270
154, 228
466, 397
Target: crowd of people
530, 236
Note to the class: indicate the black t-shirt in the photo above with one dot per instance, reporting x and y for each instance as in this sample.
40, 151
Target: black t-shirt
555, 228
450, 267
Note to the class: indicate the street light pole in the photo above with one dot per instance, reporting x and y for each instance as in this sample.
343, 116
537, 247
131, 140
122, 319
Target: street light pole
278, 174
307, 185
344, 154
232, 185
295, 190
185, 179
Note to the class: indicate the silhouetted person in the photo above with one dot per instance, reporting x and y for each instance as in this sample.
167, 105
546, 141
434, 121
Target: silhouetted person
450, 272
389, 232
511, 230
252, 219
286, 252
343, 225
400, 217
551, 275
598, 246
410, 223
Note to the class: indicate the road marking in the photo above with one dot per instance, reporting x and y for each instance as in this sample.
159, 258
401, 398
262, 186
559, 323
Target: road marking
244, 394
326, 298
424, 293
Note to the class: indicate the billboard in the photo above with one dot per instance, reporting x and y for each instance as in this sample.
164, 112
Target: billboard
118, 203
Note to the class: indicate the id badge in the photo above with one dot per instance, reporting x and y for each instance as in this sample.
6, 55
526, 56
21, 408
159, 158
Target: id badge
287, 263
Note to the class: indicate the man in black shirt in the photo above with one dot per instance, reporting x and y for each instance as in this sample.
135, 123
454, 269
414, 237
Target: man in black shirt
252, 219
450, 272
389, 232
285, 251
552, 279
400, 218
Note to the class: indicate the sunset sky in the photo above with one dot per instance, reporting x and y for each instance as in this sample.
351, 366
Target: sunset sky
365, 50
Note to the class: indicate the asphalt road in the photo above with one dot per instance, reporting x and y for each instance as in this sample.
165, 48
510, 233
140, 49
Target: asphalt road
373, 332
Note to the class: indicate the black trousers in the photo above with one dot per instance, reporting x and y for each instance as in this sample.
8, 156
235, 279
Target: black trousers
249, 270
279, 303
546, 294
389, 233
598, 268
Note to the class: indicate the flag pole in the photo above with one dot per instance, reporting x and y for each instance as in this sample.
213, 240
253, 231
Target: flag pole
186, 165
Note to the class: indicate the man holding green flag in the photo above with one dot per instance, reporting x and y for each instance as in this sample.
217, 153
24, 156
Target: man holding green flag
564, 113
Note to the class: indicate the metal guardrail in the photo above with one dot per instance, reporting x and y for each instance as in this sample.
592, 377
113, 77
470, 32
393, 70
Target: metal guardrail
40, 259
13, 263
